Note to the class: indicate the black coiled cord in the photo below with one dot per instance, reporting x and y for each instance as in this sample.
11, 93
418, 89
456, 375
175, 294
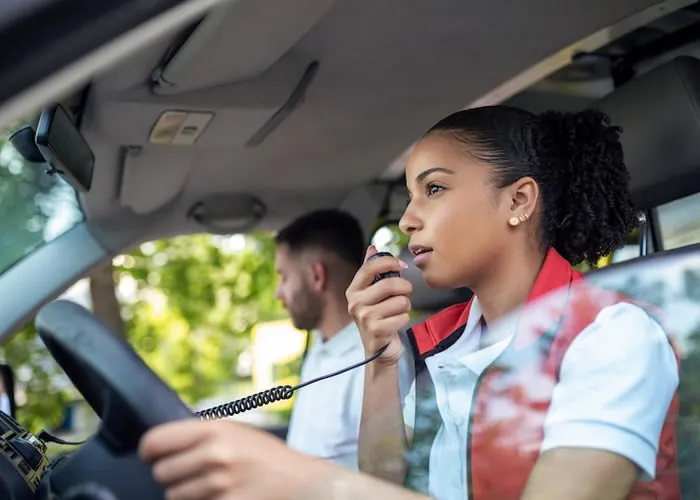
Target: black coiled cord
247, 403
283, 392
273, 395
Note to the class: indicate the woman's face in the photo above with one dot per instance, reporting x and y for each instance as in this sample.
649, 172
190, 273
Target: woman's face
456, 218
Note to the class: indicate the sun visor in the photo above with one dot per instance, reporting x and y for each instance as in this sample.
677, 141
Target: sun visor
660, 116
237, 42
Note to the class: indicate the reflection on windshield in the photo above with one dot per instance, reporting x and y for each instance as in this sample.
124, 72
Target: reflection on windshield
485, 427
35, 208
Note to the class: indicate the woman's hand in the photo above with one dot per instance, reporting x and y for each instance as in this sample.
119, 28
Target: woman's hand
222, 460
382, 308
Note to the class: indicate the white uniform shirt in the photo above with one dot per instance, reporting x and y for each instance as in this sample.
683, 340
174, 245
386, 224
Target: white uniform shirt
326, 417
617, 380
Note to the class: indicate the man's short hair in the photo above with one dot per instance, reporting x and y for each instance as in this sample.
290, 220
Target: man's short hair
334, 231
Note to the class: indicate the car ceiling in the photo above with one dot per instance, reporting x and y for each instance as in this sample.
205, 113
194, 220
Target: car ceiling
387, 70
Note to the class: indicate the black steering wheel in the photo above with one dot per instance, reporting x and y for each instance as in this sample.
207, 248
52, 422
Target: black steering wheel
121, 389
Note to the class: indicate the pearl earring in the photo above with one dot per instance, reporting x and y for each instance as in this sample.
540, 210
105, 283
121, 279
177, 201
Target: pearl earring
514, 221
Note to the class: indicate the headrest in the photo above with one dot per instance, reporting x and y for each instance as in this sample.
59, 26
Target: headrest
660, 116
427, 299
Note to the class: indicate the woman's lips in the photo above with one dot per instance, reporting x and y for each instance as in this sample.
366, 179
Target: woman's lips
422, 258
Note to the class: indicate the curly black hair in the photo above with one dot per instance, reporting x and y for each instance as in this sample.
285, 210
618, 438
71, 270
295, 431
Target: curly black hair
576, 160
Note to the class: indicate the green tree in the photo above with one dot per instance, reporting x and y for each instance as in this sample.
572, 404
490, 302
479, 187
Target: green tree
35, 208
188, 305
191, 304
390, 238
42, 388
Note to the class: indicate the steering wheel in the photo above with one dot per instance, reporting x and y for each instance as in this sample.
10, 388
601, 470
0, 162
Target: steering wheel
120, 388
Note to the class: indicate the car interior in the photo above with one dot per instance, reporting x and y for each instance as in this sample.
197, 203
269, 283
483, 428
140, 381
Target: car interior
256, 113
253, 144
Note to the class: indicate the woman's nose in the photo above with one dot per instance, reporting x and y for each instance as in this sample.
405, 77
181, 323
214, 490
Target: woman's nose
409, 222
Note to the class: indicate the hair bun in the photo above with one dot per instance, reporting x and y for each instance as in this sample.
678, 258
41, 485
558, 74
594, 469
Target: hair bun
584, 134
588, 166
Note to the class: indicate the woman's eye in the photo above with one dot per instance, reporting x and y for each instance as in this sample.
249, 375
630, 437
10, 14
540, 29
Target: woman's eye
432, 189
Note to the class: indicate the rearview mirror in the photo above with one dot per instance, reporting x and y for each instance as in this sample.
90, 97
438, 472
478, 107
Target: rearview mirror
58, 142
7, 390
64, 148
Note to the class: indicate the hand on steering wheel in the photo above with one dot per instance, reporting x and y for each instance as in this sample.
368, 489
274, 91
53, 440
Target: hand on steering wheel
120, 388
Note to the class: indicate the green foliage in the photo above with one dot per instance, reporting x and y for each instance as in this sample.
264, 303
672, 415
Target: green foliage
391, 239
192, 304
35, 207
42, 388
188, 304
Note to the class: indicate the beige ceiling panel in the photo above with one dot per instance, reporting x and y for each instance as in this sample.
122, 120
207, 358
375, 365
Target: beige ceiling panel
237, 42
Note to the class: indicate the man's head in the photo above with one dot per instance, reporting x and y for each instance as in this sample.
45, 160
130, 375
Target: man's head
317, 257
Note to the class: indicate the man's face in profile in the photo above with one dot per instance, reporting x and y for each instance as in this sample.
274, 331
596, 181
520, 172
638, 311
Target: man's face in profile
294, 289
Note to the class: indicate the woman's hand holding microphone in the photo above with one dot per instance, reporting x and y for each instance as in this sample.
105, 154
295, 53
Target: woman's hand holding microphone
381, 308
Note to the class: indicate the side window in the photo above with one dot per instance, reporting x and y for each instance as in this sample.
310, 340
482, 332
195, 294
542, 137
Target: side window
679, 222
35, 208
389, 238
199, 309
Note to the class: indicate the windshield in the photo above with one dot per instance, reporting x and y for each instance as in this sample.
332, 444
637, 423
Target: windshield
35, 208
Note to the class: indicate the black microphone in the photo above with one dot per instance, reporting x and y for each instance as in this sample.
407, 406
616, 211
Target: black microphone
381, 276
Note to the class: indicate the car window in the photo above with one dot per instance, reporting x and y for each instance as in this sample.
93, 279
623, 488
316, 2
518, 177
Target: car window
630, 250
679, 222
35, 208
390, 238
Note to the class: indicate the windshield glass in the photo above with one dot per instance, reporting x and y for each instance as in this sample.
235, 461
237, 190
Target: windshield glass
35, 208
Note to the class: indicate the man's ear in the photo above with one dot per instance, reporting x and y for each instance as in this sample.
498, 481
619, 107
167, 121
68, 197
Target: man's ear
523, 195
318, 276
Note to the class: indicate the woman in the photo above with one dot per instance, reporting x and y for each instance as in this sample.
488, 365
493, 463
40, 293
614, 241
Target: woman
505, 202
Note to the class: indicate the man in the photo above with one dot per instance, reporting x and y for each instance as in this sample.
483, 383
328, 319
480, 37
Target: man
317, 257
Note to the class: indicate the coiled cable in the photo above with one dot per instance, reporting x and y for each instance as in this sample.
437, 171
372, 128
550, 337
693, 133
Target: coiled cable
273, 395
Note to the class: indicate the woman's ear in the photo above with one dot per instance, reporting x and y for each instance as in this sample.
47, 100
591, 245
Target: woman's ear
524, 194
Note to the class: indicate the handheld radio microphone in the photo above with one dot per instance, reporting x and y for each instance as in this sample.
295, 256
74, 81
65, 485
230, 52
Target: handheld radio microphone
283, 392
381, 276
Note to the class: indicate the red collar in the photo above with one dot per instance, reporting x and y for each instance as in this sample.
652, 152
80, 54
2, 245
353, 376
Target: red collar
442, 328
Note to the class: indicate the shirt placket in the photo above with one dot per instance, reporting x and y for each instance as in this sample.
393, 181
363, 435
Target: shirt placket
461, 382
